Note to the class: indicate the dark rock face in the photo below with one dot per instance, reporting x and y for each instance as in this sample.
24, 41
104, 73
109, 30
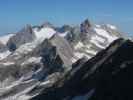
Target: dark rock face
115, 80
56, 46
63, 49
85, 26
73, 35
51, 59
107, 76
23, 36
85, 30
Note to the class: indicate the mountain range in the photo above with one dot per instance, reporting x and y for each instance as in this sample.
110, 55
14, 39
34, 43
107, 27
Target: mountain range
83, 62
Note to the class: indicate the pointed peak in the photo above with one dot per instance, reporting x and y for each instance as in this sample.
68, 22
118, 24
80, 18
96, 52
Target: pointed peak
86, 22
85, 26
27, 28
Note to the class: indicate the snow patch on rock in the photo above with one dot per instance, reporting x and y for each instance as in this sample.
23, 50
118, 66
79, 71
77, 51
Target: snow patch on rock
4, 54
7, 63
32, 60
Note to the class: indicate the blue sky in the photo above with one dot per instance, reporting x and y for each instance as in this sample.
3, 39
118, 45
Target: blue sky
14, 14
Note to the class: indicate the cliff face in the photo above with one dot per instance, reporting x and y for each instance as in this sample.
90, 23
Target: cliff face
107, 76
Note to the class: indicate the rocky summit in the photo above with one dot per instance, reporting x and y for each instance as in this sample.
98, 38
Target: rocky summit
81, 62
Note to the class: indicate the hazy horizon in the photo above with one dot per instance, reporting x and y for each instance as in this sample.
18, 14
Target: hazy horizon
15, 14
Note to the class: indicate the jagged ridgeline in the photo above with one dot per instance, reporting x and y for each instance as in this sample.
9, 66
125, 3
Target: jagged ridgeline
80, 62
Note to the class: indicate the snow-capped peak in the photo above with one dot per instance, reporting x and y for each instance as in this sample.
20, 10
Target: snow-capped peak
43, 33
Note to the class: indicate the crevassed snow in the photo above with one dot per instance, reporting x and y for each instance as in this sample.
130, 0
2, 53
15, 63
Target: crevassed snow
83, 50
98, 38
104, 33
4, 54
44, 33
32, 60
97, 44
4, 39
111, 26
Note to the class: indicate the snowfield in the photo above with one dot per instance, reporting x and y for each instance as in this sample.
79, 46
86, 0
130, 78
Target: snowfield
104, 33
44, 33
